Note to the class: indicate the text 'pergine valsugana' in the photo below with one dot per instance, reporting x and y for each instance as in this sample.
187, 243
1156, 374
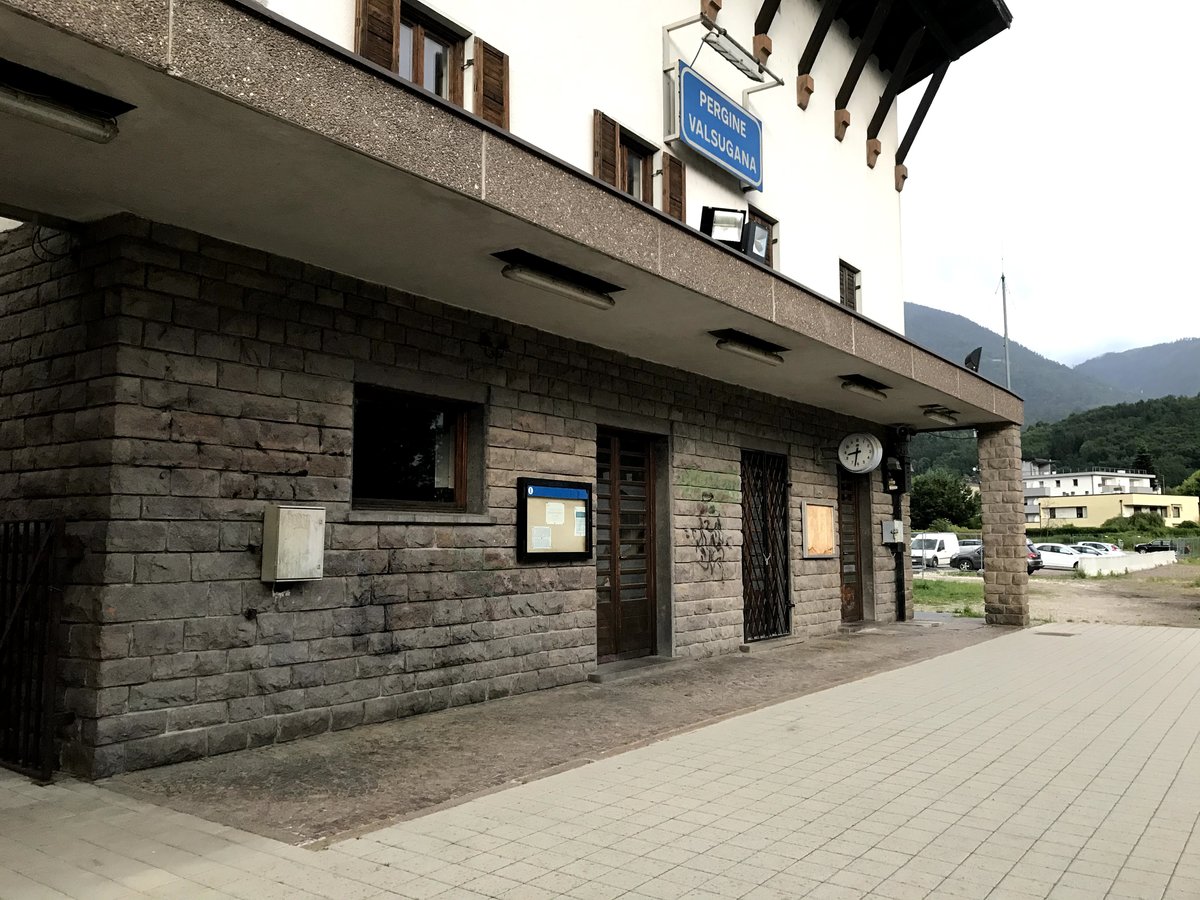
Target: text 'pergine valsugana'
718, 141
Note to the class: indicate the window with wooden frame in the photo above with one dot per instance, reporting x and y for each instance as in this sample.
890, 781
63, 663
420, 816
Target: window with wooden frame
410, 450
760, 218
414, 43
850, 284
622, 159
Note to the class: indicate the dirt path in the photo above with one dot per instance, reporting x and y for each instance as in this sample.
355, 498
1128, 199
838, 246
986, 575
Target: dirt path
1169, 595
351, 780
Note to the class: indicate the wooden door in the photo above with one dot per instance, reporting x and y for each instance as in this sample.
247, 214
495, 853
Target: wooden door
850, 545
625, 600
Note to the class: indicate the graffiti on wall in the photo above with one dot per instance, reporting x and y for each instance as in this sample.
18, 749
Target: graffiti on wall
708, 537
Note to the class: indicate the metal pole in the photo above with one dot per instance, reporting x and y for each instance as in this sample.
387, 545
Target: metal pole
1004, 302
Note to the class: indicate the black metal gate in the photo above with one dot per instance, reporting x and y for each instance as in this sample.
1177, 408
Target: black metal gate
767, 608
30, 607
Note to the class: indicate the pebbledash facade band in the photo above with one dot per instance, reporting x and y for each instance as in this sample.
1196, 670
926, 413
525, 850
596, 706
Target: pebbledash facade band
382, 356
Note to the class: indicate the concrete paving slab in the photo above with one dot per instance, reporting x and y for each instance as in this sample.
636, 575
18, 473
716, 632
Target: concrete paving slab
1005, 770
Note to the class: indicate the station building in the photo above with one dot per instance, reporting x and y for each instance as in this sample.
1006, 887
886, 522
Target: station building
383, 356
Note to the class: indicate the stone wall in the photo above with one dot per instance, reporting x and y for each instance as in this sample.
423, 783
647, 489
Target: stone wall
1005, 577
228, 380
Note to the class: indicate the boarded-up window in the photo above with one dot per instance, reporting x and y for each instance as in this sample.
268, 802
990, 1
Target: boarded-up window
674, 187
851, 285
491, 84
622, 159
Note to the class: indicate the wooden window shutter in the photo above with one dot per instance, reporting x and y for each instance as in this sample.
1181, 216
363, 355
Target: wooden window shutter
491, 84
378, 24
674, 187
605, 145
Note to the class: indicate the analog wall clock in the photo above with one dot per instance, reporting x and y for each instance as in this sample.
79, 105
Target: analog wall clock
860, 452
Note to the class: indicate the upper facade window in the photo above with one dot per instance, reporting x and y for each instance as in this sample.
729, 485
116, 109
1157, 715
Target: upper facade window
625, 161
423, 47
425, 55
850, 285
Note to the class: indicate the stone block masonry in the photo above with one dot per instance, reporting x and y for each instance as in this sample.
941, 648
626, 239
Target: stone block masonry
1005, 577
162, 388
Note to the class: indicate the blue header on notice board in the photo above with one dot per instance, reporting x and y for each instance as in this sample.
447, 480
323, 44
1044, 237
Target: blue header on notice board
557, 493
716, 127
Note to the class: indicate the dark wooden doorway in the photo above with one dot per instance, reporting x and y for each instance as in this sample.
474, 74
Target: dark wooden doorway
850, 489
626, 607
766, 607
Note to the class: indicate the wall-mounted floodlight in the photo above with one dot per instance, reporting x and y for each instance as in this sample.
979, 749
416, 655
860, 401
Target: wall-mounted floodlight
724, 225
733, 52
756, 240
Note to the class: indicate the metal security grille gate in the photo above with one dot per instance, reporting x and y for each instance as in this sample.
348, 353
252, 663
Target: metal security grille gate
849, 487
30, 606
625, 598
766, 608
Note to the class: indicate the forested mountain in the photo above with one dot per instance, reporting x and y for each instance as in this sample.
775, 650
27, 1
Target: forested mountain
1168, 428
1050, 389
1150, 371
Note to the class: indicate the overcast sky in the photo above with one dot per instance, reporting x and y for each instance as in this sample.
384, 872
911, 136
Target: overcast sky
1071, 145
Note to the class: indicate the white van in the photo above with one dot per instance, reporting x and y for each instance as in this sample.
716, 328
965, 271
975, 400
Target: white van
933, 548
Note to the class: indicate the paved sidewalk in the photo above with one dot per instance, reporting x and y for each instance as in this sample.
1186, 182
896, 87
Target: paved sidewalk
1035, 765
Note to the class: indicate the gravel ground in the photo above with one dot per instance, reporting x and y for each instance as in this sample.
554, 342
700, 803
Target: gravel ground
1168, 595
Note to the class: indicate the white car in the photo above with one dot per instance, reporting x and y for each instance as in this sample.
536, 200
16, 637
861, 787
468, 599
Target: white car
1102, 548
1058, 556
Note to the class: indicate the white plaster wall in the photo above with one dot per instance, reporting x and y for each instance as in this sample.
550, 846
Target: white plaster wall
332, 19
566, 60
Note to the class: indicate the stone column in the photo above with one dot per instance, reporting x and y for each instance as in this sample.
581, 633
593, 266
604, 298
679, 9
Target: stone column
1005, 581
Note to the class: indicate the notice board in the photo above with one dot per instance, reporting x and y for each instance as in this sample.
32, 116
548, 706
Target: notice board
554, 520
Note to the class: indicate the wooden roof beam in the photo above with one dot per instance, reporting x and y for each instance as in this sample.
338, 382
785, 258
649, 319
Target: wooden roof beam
762, 41
931, 89
888, 97
866, 46
804, 79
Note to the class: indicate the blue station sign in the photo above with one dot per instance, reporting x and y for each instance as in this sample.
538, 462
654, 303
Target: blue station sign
716, 127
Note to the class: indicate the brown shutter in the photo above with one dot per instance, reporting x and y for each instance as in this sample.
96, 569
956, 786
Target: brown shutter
674, 187
378, 24
491, 84
605, 142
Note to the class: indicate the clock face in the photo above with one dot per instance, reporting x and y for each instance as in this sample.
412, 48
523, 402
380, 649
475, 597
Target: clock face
860, 452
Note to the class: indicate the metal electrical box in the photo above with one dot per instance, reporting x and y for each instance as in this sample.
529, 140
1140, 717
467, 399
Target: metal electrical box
893, 532
293, 543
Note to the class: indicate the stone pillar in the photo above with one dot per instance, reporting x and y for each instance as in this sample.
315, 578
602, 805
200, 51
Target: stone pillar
1005, 580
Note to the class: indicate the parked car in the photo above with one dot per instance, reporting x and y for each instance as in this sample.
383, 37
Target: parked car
933, 549
1155, 546
968, 559
1058, 556
971, 559
968, 543
1105, 549
1085, 550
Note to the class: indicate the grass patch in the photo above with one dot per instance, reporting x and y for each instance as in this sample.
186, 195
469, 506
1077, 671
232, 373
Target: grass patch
947, 596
